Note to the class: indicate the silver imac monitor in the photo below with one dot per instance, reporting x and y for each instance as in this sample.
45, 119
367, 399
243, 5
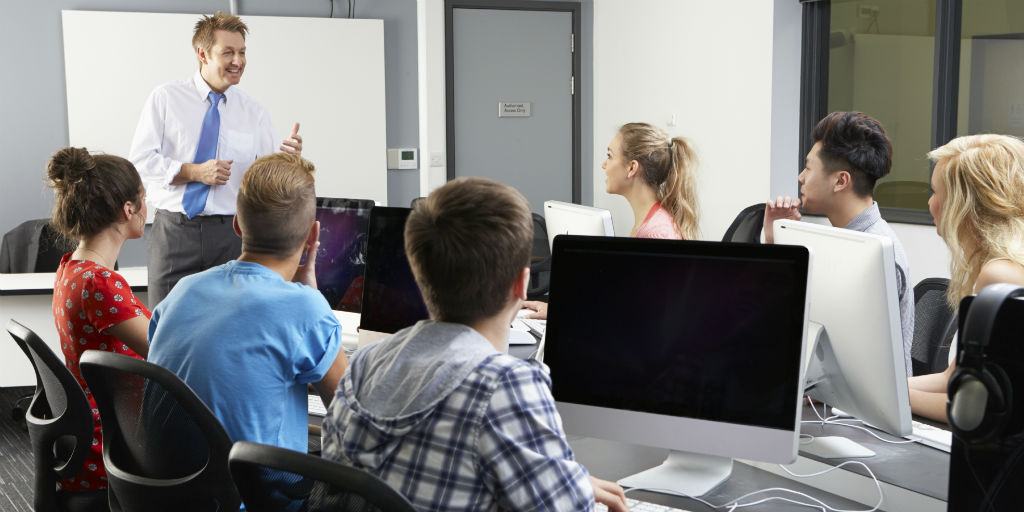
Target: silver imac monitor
857, 364
574, 219
702, 355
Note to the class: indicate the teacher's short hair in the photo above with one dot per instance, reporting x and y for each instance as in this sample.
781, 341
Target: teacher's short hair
202, 36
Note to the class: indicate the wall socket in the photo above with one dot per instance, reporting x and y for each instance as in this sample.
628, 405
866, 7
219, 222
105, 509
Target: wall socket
867, 11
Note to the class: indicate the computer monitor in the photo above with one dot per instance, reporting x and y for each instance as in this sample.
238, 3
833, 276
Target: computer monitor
574, 219
695, 347
391, 298
342, 253
858, 364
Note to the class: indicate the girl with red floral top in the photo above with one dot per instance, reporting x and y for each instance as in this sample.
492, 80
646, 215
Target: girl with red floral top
100, 203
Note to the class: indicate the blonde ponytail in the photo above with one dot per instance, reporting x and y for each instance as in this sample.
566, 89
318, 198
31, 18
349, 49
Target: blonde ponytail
669, 166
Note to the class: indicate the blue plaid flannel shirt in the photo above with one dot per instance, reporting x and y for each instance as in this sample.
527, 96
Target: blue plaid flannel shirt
495, 443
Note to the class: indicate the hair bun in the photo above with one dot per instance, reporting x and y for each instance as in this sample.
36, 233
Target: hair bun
69, 166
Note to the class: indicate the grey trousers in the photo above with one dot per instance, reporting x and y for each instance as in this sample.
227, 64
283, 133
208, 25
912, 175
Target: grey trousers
179, 247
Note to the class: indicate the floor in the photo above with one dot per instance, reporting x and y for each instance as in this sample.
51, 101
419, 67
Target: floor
15, 457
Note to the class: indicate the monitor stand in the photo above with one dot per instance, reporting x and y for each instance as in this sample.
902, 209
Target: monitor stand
684, 473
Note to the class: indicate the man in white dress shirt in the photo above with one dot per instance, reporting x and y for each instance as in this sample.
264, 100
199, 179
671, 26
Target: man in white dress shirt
166, 151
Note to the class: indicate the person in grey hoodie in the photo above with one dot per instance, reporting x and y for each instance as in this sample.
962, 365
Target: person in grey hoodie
438, 410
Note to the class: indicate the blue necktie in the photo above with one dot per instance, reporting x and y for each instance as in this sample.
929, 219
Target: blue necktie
196, 192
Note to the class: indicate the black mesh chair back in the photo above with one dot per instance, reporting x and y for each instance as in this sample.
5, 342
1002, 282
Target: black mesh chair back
934, 326
746, 227
162, 447
60, 426
540, 260
272, 479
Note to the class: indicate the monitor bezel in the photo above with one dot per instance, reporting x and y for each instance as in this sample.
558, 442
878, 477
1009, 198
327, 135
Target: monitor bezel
680, 433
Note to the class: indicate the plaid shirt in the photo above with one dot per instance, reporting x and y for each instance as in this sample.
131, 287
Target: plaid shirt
494, 443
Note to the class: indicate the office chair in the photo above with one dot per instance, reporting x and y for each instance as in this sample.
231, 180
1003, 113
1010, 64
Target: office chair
60, 426
272, 479
32, 246
162, 447
935, 323
540, 260
746, 227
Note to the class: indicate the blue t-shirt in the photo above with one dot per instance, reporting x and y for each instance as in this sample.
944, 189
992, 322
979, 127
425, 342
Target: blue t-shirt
247, 342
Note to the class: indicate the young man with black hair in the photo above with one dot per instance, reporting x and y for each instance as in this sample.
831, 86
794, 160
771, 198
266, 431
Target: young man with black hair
850, 153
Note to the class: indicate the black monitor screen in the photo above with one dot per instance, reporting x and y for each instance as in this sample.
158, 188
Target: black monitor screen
391, 298
697, 329
342, 253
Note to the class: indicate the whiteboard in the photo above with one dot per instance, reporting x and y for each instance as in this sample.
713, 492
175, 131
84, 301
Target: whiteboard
325, 73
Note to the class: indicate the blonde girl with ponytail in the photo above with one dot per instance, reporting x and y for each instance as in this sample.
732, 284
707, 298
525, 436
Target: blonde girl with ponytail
657, 175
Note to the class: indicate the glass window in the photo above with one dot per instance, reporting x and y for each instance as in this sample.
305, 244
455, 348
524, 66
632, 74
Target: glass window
992, 68
881, 61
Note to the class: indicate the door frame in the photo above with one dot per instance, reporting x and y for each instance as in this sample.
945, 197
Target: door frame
573, 8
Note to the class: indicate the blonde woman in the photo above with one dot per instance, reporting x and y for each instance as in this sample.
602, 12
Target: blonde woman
978, 206
657, 175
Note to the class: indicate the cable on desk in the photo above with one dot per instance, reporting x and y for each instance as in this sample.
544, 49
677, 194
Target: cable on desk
734, 504
835, 420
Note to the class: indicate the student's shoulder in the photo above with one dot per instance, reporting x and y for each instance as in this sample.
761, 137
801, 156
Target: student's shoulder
1000, 270
506, 369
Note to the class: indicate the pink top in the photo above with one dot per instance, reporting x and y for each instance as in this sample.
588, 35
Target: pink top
659, 224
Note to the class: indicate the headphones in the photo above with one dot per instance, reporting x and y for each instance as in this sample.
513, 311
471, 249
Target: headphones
980, 394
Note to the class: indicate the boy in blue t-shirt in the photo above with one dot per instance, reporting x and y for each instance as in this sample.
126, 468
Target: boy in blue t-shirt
249, 335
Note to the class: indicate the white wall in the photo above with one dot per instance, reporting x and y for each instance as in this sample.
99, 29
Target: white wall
709, 64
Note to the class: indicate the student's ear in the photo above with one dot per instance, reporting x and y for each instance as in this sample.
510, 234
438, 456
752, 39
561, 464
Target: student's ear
521, 283
843, 181
634, 169
238, 228
127, 211
314, 234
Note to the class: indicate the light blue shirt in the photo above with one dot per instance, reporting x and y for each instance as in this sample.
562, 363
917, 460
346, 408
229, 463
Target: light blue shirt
870, 221
247, 342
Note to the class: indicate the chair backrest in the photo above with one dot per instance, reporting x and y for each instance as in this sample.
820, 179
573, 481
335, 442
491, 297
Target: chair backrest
540, 259
934, 326
162, 447
51, 249
60, 421
746, 227
273, 479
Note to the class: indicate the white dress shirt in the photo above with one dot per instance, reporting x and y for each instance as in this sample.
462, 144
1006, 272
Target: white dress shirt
168, 133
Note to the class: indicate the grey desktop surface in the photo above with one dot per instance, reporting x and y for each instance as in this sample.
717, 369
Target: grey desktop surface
613, 460
912, 466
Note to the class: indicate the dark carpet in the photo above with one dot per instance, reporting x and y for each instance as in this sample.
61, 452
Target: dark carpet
15, 456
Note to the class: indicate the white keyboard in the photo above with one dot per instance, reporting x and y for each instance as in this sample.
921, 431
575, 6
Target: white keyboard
932, 436
641, 506
315, 405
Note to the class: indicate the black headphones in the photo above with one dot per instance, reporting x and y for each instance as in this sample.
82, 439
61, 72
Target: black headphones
980, 394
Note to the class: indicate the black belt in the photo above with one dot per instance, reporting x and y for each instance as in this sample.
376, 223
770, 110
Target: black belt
181, 218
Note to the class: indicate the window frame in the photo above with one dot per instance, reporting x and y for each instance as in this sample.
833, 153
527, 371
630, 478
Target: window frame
814, 60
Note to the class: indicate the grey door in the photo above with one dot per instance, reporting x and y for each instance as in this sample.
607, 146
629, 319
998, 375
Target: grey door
513, 56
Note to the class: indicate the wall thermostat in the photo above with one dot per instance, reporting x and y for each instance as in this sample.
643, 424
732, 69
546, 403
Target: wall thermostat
402, 158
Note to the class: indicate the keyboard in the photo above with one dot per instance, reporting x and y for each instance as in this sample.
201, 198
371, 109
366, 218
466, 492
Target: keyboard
641, 506
928, 435
315, 405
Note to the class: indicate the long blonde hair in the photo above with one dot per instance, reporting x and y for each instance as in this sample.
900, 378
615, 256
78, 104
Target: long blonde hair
983, 214
670, 167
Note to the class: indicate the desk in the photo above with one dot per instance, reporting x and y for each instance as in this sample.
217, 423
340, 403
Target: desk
914, 477
612, 460
28, 299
